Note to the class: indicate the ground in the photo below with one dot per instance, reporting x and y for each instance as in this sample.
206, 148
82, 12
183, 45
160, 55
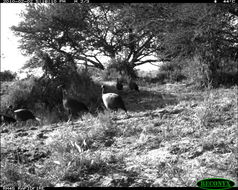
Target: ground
174, 136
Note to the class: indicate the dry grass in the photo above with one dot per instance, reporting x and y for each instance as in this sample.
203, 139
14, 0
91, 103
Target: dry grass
174, 136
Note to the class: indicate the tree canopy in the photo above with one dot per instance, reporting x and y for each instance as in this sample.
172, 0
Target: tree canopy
82, 32
57, 34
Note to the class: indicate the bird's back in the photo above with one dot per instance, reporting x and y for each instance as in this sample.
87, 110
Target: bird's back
113, 101
75, 105
23, 114
108, 99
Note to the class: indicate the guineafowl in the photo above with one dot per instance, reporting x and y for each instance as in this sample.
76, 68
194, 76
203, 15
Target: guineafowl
112, 101
133, 86
23, 114
119, 85
72, 106
6, 119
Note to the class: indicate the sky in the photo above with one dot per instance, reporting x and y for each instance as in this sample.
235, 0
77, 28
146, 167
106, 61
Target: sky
11, 57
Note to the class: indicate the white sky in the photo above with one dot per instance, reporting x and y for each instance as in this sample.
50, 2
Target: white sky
11, 57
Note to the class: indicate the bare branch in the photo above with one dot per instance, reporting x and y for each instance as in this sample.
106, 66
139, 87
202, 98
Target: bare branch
146, 61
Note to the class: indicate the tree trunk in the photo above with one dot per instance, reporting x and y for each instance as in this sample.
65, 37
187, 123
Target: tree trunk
213, 73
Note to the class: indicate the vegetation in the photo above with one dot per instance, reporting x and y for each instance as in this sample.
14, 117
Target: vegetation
85, 29
7, 76
205, 34
18, 94
175, 136
181, 125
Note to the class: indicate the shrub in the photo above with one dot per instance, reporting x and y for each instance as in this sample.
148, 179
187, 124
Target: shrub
7, 76
83, 87
20, 94
171, 72
199, 74
225, 78
162, 76
195, 71
119, 68
227, 73
79, 86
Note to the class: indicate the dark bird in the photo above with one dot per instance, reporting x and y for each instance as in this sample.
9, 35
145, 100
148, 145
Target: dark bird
6, 119
23, 114
71, 105
112, 101
133, 86
119, 85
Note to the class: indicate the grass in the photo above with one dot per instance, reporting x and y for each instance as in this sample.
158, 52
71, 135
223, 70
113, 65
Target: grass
175, 136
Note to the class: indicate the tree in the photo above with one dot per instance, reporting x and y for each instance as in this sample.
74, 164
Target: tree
206, 31
7, 76
79, 32
54, 29
114, 34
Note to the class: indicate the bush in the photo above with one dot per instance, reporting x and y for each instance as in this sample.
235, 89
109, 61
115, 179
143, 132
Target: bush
162, 76
45, 93
42, 96
79, 86
83, 87
20, 94
198, 73
171, 72
7, 76
227, 79
119, 68
195, 71
227, 73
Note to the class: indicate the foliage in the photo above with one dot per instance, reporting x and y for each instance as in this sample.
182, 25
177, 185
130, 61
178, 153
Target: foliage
194, 71
171, 72
59, 32
7, 76
200, 128
118, 35
79, 86
19, 95
45, 92
227, 78
82, 32
207, 32
118, 68
204, 31
42, 96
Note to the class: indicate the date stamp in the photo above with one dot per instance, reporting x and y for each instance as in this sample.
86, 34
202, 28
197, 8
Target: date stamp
81, 1
22, 188
18, 1
47, 1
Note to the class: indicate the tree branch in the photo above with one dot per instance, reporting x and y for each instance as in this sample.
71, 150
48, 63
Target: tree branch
146, 61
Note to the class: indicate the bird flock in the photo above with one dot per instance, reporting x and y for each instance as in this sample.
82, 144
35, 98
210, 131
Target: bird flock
74, 107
